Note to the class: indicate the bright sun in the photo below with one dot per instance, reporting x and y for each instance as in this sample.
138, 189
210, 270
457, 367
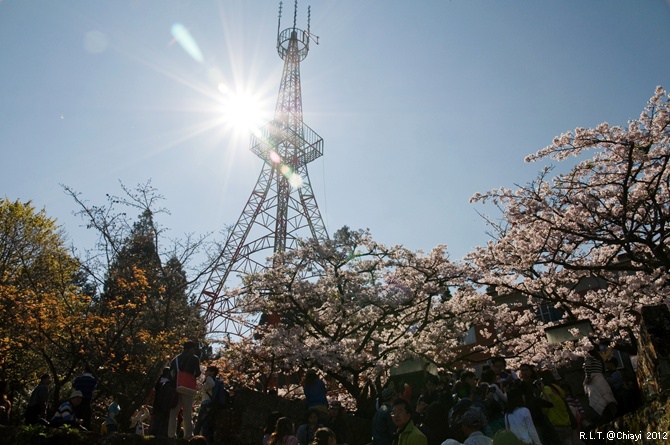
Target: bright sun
241, 110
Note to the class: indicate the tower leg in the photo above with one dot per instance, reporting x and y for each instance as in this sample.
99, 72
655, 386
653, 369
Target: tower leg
220, 309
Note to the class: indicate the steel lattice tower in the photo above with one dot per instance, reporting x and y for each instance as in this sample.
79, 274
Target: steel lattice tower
282, 206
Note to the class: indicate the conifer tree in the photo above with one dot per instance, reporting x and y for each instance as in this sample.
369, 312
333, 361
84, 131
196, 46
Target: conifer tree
143, 313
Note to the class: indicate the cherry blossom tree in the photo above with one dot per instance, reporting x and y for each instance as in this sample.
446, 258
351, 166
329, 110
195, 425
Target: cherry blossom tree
351, 307
604, 222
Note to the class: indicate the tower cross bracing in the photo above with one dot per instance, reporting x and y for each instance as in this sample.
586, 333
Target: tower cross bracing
282, 207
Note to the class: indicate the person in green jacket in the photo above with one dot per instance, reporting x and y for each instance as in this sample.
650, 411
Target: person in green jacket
407, 433
559, 413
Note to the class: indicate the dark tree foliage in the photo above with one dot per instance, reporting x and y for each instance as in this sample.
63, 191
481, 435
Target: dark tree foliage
144, 310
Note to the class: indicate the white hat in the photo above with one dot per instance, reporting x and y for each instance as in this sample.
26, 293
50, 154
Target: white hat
76, 393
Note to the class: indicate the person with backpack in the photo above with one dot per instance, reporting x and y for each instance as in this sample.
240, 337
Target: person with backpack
559, 413
111, 422
213, 396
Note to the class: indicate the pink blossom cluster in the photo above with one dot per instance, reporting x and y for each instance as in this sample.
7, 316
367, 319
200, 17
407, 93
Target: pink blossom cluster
592, 242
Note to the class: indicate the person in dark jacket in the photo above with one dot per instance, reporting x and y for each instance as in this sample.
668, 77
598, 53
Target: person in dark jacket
315, 393
382, 424
36, 413
85, 383
164, 395
338, 422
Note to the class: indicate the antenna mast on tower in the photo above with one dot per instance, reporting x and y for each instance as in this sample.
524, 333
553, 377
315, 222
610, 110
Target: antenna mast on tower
282, 206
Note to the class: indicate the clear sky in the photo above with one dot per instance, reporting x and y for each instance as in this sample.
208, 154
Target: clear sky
420, 103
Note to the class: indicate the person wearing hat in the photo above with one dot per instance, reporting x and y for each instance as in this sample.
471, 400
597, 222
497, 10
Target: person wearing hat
66, 411
472, 422
111, 422
383, 427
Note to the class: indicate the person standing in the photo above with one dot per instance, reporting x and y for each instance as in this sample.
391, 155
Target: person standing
472, 422
469, 378
270, 425
316, 394
36, 412
382, 424
164, 395
85, 383
407, 433
5, 403
503, 375
324, 436
305, 432
559, 413
518, 419
205, 415
337, 421
111, 423
283, 433
533, 389
597, 389
189, 363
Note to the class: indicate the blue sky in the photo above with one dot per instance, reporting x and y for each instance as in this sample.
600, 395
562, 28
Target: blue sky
420, 104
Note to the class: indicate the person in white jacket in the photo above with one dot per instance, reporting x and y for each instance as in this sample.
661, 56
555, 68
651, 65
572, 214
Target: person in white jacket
518, 419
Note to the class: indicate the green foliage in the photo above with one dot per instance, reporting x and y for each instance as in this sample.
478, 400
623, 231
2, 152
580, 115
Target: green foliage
31, 435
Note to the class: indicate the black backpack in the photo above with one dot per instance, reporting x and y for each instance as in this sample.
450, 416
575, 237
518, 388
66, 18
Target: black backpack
220, 395
166, 397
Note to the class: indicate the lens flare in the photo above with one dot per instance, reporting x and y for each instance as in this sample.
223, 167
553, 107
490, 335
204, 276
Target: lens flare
187, 42
295, 180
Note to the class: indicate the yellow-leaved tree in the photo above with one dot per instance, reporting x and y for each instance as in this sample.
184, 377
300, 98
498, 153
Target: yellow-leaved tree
142, 310
41, 304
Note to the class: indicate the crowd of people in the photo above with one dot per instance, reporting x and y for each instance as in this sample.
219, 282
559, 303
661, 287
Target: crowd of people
170, 415
326, 422
498, 406
501, 406
75, 411
174, 394
279, 430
